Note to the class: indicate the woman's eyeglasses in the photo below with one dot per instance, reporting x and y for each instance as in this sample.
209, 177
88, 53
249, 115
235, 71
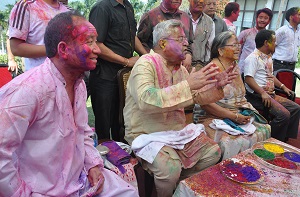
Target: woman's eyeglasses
234, 45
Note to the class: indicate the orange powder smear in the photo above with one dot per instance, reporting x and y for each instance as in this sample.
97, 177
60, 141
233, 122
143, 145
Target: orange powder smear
274, 148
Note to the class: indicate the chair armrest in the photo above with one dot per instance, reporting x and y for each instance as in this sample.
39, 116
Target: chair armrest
290, 97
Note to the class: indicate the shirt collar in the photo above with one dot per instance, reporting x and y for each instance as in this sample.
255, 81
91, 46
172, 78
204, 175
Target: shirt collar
214, 17
115, 3
57, 74
164, 10
292, 28
152, 52
191, 17
262, 55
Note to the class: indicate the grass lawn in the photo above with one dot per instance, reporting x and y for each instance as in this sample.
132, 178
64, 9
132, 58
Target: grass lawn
298, 88
91, 113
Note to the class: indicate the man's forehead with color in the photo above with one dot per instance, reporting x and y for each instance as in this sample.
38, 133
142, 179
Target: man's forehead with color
82, 29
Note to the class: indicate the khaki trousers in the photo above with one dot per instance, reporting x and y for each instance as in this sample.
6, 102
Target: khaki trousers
167, 168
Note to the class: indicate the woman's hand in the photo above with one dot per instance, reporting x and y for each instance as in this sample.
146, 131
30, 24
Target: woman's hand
241, 119
226, 77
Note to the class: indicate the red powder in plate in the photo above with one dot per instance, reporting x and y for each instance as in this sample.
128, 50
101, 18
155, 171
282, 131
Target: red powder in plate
283, 163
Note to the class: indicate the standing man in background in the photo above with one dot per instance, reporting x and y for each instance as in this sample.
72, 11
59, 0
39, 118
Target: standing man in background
202, 35
210, 9
247, 37
288, 41
168, 9
232, 12
27, 24
117, 40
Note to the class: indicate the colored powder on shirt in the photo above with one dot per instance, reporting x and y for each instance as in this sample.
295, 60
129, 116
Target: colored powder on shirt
283, 163
292, 156
241, 173
274, 148
264, 154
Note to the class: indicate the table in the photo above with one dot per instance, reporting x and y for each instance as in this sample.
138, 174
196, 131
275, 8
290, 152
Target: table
211, 182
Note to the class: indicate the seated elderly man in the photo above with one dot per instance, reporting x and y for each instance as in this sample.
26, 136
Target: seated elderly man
158, 89
45, 148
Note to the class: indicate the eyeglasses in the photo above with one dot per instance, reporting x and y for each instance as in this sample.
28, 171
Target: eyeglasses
234, 45
179, 39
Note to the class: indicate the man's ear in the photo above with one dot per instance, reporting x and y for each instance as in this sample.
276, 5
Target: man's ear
162, 44
62, 49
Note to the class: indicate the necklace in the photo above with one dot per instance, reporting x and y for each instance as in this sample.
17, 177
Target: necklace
221, 64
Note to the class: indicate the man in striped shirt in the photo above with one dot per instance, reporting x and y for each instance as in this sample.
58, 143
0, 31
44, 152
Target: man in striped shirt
27, 24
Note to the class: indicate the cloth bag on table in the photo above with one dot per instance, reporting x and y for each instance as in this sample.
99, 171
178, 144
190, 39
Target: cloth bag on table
116, 155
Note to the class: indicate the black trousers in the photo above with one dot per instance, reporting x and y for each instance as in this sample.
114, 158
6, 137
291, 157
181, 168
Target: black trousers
105, 104
285, 116
278, 65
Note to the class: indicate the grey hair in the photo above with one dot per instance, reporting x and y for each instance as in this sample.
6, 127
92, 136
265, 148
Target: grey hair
164, 29
219, 42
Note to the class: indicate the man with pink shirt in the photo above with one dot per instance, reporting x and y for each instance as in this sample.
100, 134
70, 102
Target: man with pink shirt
27, 24
232, 12
46, 148
247, 37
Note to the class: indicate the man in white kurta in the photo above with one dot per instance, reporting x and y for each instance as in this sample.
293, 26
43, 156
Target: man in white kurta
158, 89
45, 148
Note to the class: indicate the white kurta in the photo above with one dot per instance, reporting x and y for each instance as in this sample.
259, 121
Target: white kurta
44, 141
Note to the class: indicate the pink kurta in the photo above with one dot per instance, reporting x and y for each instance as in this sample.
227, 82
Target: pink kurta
44, 141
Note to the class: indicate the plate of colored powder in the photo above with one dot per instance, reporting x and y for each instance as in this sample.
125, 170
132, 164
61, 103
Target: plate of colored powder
292, 156
264, 154
241, 171
285, 160
274, 148
283, 163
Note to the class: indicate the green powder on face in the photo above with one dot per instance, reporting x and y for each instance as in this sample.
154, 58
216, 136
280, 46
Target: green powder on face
264, 154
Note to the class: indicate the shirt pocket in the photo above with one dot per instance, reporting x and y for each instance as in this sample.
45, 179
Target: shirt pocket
118, 31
